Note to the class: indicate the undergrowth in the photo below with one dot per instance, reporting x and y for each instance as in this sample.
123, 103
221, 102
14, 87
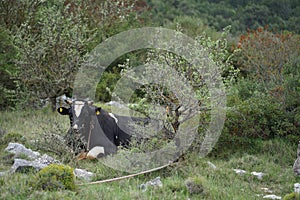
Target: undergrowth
189, 178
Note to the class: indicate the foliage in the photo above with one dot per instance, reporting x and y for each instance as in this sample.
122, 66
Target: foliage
55, 177
264, 54
51, 50
253, 112
196, 185
50, 40
14, 13
292, 196
12, 137
7, 70
106, 85
265, 100
193, 27
161, 93
241, 15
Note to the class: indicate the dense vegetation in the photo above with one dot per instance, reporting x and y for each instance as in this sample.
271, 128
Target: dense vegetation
256, 45
241, 15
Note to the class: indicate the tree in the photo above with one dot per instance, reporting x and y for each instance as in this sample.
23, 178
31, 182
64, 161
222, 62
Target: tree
264, 54
169, 80
55, 36
272, 60
51, 50
7, 69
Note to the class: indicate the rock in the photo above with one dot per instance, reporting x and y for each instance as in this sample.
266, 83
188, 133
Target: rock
267, 190
19, 149
259, 175
45, 159
297, 188
211, 165
271, 196
21, 165
296, 166
83, 174
154, 182
36, 162
240, 171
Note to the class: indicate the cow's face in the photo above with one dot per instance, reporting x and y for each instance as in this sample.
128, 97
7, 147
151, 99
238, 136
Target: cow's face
80, 114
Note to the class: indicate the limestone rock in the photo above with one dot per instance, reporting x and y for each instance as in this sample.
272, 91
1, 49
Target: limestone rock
271, 196
154, 183
211, 165
240, 171
19, 149
259, 175
21, 165
83, 174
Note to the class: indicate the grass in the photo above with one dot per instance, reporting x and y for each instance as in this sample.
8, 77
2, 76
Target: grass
272, 157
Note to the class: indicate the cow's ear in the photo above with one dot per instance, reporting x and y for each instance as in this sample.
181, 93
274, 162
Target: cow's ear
63, 110
98, 111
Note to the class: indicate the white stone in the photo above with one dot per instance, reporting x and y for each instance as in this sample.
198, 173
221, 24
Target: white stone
271, 196
297, 188
240, 171
211, 165
259, 175
267, 190
19, 149
83, 174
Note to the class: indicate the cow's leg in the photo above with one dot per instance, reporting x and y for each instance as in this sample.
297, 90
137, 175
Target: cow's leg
96, 152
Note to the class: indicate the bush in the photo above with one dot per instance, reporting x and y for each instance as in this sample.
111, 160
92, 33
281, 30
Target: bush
292, 196
8, 54
196, 185
256, 112
12, 137
106, 86
55, 177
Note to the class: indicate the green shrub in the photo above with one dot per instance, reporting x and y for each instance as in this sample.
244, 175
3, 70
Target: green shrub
196, 185
292, 196
55, 177
106, 86
175, 184
7, 69
254, 111
12, 137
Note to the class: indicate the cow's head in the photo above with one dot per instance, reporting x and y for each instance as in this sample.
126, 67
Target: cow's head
80, 113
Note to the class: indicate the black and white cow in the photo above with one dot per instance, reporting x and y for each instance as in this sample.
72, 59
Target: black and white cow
100, 130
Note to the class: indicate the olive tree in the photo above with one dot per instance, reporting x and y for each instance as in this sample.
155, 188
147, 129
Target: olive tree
55, 37
180, 82
51, 50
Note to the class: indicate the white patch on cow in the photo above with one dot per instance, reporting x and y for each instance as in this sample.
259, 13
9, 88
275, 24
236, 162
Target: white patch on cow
113, 116
78, 107
95, 151
75, 126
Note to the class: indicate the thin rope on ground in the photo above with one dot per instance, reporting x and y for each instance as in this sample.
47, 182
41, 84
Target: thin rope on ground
125, 177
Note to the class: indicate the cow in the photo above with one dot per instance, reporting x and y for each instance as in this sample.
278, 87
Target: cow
101, 132
96, 127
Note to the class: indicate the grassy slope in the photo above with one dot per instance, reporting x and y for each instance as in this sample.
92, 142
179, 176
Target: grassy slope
274, 157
